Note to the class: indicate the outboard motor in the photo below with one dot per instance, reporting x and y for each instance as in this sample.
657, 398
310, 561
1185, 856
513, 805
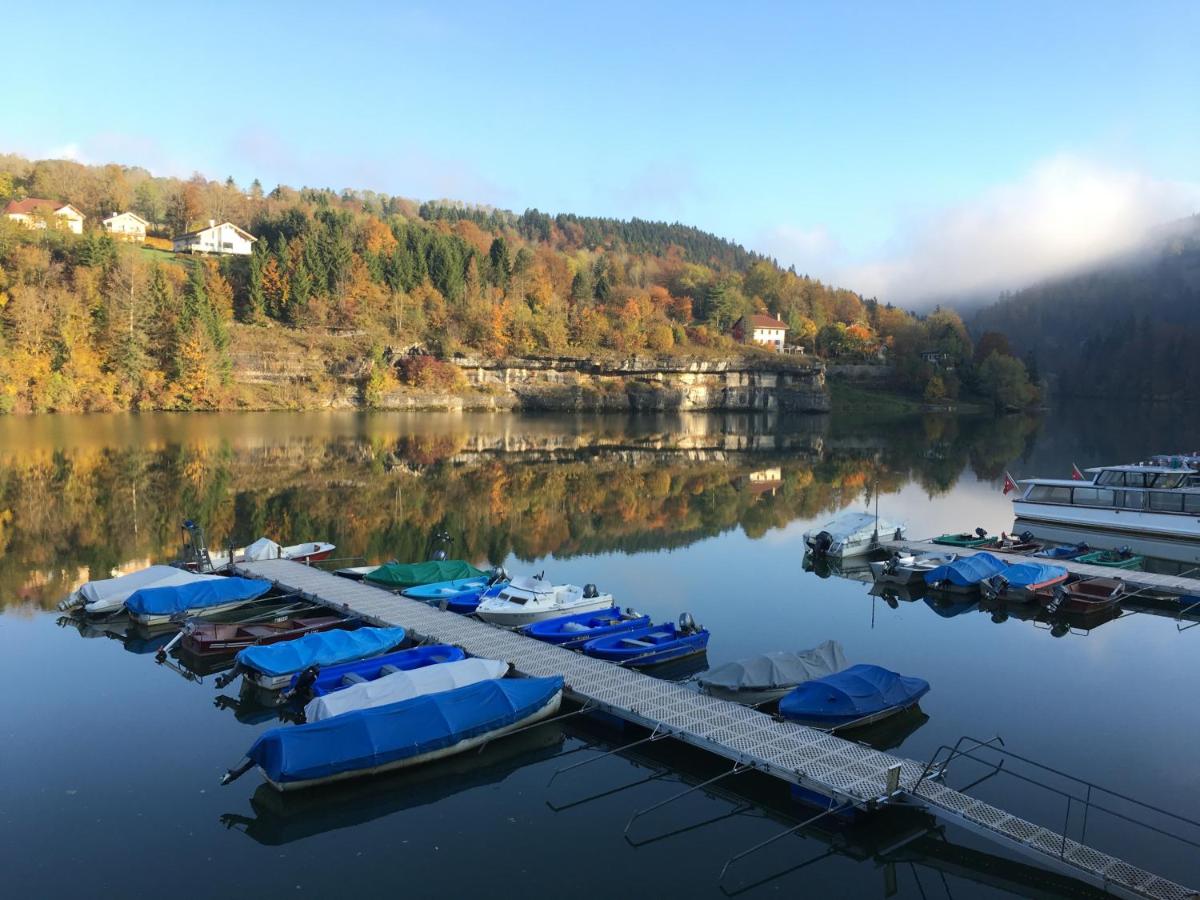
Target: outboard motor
499, 574
1026, 535
822, 542
590, 592
687, 624
439, 555
304, 683
981, 532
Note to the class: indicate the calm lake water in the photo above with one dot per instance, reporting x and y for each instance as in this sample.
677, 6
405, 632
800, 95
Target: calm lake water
111, 762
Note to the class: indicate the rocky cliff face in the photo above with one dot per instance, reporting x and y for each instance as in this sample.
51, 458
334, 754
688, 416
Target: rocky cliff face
649, 383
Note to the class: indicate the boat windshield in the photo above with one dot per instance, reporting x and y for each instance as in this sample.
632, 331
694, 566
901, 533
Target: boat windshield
1123, 478
1174, 501
513, 598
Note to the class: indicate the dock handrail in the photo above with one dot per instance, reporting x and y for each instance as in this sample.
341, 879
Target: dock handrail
996, 745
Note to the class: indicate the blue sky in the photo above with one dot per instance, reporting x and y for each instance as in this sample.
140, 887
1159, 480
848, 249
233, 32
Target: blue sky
846, 138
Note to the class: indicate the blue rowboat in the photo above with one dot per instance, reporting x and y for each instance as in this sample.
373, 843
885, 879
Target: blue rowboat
272, 666
335, 677
964, 574
384, 738
576, 630
856, 696
1064, 551
649, 645
459, 588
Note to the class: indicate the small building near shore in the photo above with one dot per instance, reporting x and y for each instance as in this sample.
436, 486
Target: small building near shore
758, 328
126, 226
34, 212
225, 238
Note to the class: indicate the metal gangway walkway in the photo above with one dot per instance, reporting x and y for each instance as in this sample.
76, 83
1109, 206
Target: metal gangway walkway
850, 775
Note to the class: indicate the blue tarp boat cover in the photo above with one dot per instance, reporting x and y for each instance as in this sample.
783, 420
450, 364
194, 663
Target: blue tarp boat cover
369, 738
321, 649
967, 570
177, 598
853, 693
1025, 574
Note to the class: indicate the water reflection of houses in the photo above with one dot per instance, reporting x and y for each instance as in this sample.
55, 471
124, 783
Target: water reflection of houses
763, 482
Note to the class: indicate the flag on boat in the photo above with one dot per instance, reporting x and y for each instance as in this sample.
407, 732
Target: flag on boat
1009, 483
1076, 475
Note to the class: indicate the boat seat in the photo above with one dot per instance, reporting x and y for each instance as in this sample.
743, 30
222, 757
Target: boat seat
389, 669
353, 678
259, 630
634, 642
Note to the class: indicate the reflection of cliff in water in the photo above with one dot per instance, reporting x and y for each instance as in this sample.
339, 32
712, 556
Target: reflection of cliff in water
81, 495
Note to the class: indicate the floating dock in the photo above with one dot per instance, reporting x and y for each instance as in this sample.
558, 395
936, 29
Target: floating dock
1171, 584
850, 775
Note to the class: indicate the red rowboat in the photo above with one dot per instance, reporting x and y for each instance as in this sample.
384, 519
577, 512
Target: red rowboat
224, 639
1085, 597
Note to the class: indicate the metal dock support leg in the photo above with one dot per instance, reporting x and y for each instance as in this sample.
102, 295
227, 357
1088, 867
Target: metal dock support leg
649, 809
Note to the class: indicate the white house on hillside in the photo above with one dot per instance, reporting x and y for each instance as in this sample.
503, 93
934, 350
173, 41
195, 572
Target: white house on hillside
760, 329
126, 226
223, 238
34, 212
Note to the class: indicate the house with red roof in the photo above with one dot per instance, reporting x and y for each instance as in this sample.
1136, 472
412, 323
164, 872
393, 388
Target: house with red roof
759, 328
34, 212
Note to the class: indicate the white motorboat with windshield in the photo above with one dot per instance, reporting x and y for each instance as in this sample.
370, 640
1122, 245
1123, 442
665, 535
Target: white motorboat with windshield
1160, 501
531, 599
852, 534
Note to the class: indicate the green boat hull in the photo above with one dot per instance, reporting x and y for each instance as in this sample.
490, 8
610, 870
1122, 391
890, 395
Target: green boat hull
962, 540
1102, 558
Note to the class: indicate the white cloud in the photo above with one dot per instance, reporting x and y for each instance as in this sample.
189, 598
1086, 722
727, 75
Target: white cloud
66, 151
810, 250
1063, 214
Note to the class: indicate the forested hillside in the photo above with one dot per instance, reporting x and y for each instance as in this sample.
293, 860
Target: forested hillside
87, 323
1127, 330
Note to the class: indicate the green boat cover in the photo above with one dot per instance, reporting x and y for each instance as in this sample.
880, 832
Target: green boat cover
405, 575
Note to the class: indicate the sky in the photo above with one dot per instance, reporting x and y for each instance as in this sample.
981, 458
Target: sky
904, 150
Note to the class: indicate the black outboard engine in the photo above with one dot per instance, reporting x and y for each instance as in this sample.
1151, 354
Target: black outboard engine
590, 592
822, 542
687, 624
304, 683
498, 574
439, 555
981, 532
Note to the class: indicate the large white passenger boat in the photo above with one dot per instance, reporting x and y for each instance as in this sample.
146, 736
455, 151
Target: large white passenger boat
1150, 500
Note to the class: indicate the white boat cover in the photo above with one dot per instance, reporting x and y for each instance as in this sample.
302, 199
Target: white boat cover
109, 594
263, 548
405, 685
778, 669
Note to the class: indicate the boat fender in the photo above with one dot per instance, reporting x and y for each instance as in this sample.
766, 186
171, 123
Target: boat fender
590, 592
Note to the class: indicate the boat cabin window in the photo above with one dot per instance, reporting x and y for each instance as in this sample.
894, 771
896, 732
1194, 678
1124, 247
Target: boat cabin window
1110, 477
1137, 479
1191, 504
513, 598
1165, 480
1046, 493
1162, 501
1093, 497
1131, 499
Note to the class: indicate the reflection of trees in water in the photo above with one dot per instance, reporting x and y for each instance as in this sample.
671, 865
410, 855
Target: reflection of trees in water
65, 512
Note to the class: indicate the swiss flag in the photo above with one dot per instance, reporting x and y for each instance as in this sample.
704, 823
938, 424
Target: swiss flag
1076, 474
1009, 484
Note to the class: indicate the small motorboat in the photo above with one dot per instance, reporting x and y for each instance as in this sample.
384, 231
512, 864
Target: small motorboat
403, 576
1121, 558
316, 681
908, 568
852, 534
160, 605
650, 645
1063, 551
970, 539
527, 600
576, 630
271, 667
458, 590
265, 548
854, 697
399, 685
1015, 543
425, 728
202, 638
1022, 580
108, 595
1085, 597
760, 679
354, 573
964, 574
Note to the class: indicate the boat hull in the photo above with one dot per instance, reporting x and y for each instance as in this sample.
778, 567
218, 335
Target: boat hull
152, 619
517, 618
1176, 526
617, 649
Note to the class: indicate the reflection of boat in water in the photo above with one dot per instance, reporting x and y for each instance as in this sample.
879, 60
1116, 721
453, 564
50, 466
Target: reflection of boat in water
950, 605
856, 568
281, 818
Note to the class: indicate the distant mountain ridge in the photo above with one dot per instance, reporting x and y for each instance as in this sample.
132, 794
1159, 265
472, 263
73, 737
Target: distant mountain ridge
1127, 329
